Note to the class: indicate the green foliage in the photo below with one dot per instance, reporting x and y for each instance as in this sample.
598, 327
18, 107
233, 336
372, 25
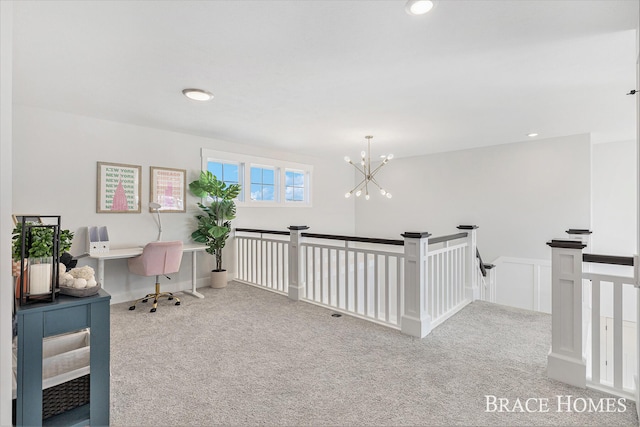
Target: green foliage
214, 225
41, 242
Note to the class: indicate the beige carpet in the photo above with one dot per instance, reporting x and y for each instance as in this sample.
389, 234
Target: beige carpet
245, 356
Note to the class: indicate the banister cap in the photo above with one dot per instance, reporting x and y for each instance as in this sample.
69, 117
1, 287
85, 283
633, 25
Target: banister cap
415, 234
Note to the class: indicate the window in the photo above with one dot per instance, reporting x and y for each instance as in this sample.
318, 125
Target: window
294, 186
226, 172
263, 184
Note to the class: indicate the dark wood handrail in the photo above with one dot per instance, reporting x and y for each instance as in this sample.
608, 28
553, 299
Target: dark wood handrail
376, 240
447, 238
257, 230
608, 259
354, 239
482, 266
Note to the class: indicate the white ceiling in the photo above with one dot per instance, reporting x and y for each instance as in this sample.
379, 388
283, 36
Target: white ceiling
315, 77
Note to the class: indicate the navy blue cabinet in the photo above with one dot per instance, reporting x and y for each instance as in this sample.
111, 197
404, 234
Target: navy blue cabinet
65, 314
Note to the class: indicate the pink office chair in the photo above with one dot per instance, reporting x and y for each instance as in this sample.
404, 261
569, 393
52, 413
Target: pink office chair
157, 258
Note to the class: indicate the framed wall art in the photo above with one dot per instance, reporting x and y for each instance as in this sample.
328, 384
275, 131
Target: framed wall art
168, 188
119, 188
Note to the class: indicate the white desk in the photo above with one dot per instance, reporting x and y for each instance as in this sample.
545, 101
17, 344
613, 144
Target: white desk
132, 252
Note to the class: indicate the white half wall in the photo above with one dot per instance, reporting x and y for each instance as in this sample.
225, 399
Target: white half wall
520, 195
54, 172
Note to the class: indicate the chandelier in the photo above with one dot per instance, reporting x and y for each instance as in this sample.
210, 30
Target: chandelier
368, 174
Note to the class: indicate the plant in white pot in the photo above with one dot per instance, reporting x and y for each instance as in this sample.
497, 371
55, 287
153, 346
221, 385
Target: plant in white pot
214, 225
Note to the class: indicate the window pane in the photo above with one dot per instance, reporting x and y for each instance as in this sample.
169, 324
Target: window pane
230, 173
215, 168
256, 192
298, 194
267, 193
256, 176
298, 179
288, 178
267, 176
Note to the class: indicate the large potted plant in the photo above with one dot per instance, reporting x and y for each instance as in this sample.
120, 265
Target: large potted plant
214, 224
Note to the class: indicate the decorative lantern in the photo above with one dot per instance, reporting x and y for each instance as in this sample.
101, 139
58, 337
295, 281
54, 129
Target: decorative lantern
39, 261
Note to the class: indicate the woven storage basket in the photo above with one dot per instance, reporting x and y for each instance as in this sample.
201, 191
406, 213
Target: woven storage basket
65, 373
65, 396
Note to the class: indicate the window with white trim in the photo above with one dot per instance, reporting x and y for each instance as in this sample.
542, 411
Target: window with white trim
294, 186
226, 172
265, 182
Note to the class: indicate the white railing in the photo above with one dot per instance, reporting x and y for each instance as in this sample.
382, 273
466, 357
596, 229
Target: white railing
406, 284
356, 280
594, 318
446, 289
609, 329
262, 261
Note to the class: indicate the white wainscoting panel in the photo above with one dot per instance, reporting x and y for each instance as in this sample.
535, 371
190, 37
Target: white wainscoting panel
523, 283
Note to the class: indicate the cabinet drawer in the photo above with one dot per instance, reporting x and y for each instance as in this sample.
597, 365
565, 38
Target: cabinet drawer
66, 320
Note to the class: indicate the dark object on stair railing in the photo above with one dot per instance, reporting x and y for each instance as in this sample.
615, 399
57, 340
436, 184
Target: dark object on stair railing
608, 259
483, 267
354, 239
257, 230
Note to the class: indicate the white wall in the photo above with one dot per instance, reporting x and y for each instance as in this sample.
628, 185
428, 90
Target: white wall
614, 224
520, 195
6, 294
614, 195
54, 172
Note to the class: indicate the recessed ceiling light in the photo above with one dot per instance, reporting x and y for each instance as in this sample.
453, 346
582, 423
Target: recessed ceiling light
532, 135
197, 94
419, 7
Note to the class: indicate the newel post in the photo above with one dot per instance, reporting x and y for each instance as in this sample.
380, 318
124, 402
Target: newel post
415, 319
296, 280
565, 362
472, 291
491, 282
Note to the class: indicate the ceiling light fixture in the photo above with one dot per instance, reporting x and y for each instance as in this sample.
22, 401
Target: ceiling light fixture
419, 7
368, 175
532, 135
197, 94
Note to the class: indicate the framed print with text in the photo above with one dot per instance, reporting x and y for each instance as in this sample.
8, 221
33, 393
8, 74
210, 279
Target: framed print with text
168, 189
119, 188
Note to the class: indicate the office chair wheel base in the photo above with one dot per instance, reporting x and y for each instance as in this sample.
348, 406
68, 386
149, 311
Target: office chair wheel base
133, 307
153, 310
145, 300
178, 303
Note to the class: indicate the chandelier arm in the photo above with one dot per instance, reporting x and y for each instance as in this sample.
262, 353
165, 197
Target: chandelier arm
375, 171
356, 187
358, 169
376, 183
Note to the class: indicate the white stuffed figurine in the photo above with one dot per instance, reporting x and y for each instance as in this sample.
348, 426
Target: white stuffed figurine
65, 279
79, 283
80, 277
